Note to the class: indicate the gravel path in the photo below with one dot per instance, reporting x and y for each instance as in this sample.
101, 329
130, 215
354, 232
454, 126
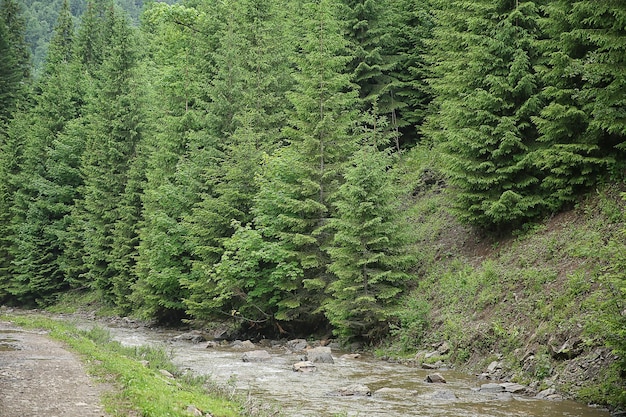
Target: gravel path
39, 378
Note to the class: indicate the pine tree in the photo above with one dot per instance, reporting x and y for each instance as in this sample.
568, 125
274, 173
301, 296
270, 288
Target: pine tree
568, 154
487, 93
296, 185
369, 251
49, 179
114, 131
180, 155
249, 107
602, 26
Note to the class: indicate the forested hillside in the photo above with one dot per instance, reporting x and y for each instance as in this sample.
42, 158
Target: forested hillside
271, 161
41, 16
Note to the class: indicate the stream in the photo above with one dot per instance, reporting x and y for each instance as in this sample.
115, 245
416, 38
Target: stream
397, 390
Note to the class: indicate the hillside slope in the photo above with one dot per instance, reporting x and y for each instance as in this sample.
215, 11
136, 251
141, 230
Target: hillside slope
544, 302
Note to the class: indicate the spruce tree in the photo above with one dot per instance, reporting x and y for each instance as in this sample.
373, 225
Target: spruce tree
180, 154
601, 25
487, 93
248, 107
568, 153
49, 180
297, 184
114, 131
369, 251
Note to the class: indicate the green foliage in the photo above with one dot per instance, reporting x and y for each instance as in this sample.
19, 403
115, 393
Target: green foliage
369, 251
487, 92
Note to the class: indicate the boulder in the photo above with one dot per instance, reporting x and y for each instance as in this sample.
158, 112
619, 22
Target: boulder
194, 411
435, 365
165, 373
491, 388
296, 345
493, 366
245, 345
443, 348
435, 379
568, 350
321, 354
256, 356
355, 390
549, 394
304, 366
514, 388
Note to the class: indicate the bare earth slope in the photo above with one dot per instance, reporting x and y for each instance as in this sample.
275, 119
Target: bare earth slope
38, 377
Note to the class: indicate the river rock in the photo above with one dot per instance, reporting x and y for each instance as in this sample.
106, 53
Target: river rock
493, 366
194, 336
435, 365
355, 390
394, 391
166, 373
435, 379
568, 350
297, 345
514, 388
321, 354
549, 394
245, 345
304, 366
256, 356
491, 388
351, 356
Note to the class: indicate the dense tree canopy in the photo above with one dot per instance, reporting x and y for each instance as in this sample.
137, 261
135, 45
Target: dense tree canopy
240, 159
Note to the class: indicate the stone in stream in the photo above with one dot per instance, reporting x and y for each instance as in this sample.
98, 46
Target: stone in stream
444, 395
245, 345
256, 356
297, 345
514, 388
304, 366
491, 388
320, 354
435, 379
194, 336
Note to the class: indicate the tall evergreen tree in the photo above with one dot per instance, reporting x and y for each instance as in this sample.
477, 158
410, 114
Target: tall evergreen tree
568, 154
369, 251
296, 185
488, 92
602, 25
49, 179
114, 131
181, 154
411, 25
13, 16
249, 106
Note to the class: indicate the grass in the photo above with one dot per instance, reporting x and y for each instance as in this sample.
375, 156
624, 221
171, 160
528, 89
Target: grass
523, 292
141, 390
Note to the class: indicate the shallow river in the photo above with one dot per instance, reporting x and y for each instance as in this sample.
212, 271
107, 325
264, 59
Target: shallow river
310, 394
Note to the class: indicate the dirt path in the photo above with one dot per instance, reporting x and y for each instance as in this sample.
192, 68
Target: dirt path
39, 378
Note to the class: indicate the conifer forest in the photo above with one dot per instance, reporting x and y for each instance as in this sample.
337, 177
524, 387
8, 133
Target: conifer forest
254, 159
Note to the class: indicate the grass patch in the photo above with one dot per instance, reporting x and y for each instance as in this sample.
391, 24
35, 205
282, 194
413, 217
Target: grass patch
142, 390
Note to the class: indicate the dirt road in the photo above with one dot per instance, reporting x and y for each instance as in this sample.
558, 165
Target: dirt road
39, 378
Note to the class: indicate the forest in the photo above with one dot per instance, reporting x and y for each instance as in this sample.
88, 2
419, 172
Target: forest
254, 160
